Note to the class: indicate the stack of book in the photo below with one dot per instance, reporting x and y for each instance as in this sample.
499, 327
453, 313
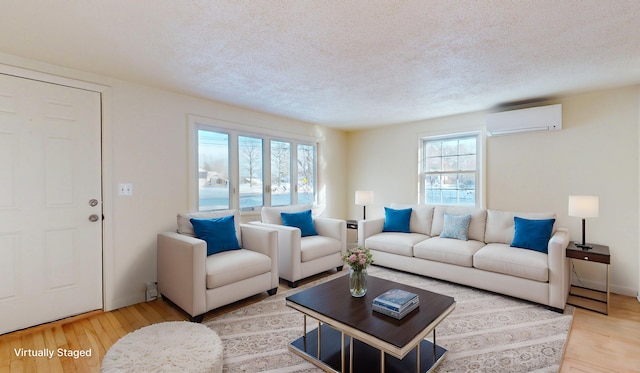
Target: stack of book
396, 303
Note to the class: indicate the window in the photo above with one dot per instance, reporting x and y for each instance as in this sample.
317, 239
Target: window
240, 169
251, 180
280, 173
213, 170
450, 170
306, 173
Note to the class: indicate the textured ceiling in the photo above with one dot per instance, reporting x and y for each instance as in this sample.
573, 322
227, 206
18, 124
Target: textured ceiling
344, 64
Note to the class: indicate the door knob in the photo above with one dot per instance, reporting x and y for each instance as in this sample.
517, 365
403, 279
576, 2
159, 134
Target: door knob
93, 218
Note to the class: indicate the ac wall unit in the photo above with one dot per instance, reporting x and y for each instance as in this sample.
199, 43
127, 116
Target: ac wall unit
541, 118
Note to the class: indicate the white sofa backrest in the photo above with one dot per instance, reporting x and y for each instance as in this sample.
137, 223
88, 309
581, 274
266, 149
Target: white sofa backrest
271, 215
501, 227
421, 217
185, 227
476, 226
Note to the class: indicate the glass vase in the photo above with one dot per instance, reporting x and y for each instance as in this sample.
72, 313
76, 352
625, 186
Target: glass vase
358, 282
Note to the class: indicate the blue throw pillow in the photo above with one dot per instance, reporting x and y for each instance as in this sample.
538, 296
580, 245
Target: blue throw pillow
397, 220
456, 226
532, 234
219, 233
302, 220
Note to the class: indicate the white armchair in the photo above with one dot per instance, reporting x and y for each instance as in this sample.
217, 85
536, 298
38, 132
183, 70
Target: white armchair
198, 283
300, 257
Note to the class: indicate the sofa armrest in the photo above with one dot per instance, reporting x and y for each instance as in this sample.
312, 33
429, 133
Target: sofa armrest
559, 271
334, 228
181, 271
263, 240
289, 255
367, 228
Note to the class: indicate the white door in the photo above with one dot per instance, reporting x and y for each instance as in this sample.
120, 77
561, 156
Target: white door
50, 186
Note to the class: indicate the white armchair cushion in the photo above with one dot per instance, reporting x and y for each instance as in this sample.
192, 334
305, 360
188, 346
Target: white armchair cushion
233, 266
271, 215
314, 247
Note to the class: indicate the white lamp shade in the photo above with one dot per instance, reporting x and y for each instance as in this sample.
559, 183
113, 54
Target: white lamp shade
364, 197
584, 206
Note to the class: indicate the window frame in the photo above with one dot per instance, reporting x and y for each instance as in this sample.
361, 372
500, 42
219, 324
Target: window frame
234, 130
478, 172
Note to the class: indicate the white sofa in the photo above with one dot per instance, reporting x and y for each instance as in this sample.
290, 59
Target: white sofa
300, 257
484, 261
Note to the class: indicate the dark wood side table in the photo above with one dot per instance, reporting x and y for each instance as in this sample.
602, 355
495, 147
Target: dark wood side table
352, 234
591, 299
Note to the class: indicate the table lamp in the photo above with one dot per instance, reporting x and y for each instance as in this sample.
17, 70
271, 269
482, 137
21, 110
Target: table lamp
584, 207
364, 198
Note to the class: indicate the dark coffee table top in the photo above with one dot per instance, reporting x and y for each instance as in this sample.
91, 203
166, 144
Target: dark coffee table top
333, 300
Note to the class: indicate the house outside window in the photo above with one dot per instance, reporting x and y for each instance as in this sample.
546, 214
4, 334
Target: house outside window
450, 172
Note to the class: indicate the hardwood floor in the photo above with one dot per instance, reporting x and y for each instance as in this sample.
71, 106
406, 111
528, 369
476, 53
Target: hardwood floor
597, 343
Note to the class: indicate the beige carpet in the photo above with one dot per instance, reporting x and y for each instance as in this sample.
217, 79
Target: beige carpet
485, 333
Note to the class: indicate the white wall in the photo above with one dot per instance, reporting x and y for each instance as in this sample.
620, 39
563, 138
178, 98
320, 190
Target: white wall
145, 144
597, 152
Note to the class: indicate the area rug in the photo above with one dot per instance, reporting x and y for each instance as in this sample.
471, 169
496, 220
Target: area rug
486, 332
173, 346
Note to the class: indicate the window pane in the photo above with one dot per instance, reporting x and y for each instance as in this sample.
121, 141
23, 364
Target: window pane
213, 170
467, 146
450, 147
280, 173
250, 164
467, 162
306, 174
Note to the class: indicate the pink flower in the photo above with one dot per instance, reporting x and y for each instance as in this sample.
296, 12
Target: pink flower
353, 258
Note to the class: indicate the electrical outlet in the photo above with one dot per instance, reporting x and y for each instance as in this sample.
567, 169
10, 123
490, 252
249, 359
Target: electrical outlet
125, 189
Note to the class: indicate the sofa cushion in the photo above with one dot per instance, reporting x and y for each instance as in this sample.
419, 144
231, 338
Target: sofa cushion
185, 227
301, 220
218, 233
271, 215
456, 226
502, 258
448, 250
476, 225
229, 267
395, 243
421, 217
397, 220
532, 234
314, 247
501, 226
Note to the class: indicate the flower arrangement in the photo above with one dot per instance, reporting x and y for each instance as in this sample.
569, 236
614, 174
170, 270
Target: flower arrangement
358, 258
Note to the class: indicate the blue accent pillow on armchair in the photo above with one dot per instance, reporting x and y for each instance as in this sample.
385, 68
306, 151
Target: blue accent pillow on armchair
219, 233
532, 234
302, 220
397, 220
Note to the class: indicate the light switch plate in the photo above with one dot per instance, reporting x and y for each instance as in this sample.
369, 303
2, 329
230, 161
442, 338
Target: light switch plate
125, 189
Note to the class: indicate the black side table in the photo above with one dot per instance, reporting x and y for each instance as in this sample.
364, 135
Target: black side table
590, 299
352, 234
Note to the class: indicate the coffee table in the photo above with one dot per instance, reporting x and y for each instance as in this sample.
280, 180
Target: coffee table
375, 342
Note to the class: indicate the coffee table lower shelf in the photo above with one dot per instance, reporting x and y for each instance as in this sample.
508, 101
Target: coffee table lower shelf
366, 358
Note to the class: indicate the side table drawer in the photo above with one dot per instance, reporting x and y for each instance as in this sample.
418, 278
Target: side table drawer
588, 256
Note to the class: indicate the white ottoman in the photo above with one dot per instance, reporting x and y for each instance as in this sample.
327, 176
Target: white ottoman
177, 346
